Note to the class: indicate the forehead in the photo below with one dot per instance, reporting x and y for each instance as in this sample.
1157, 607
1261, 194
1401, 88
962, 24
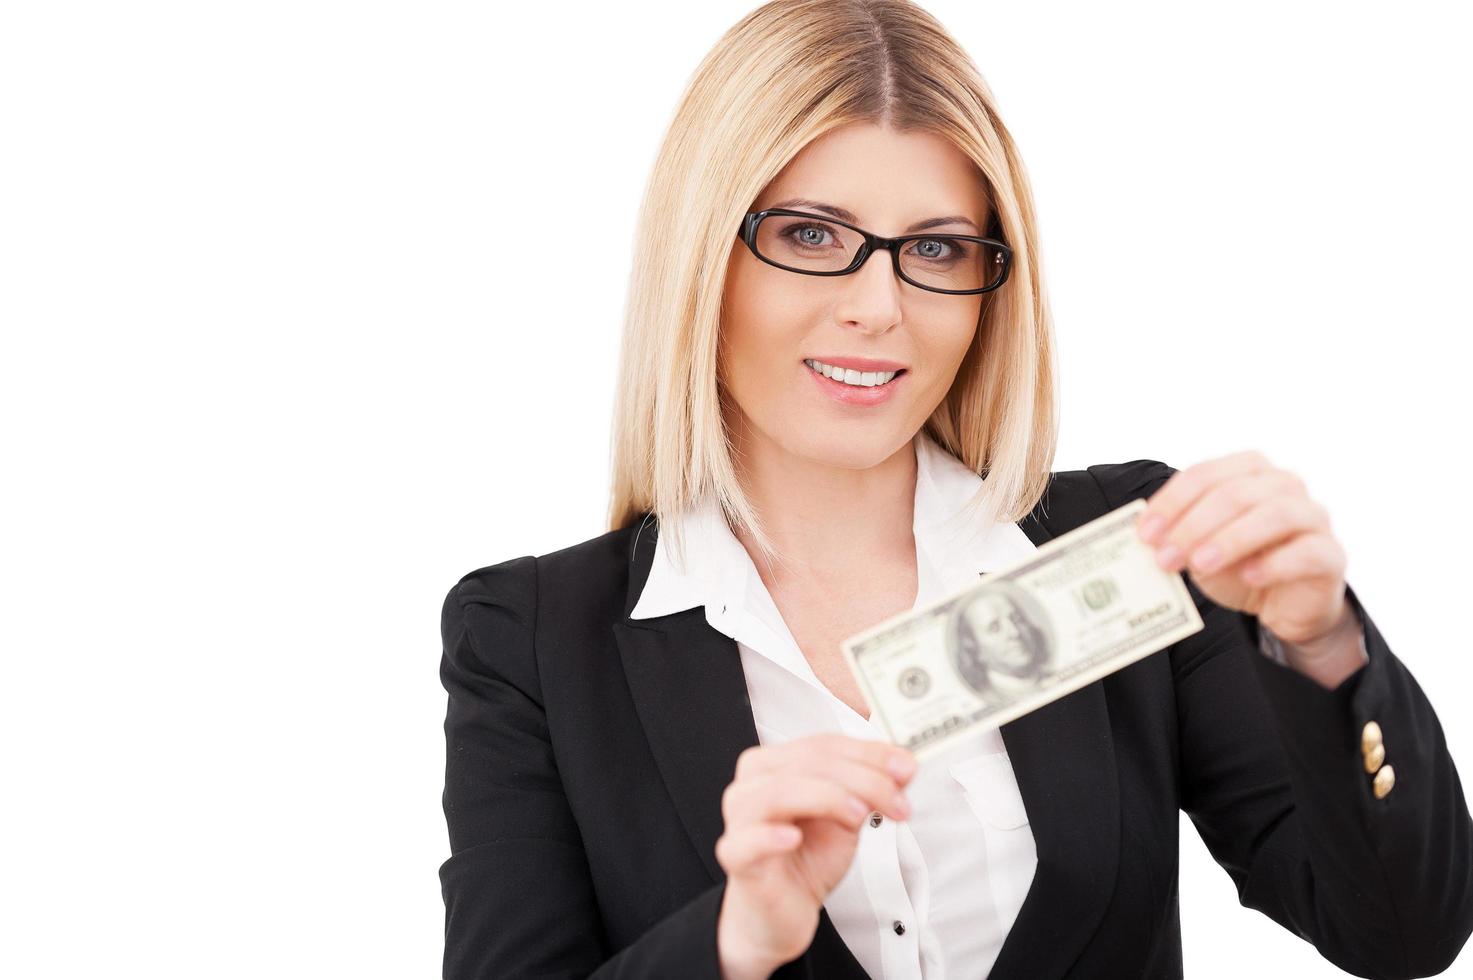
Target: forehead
883, 175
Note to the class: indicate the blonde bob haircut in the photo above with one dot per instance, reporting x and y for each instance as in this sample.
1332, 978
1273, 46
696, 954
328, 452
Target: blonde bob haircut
785, 74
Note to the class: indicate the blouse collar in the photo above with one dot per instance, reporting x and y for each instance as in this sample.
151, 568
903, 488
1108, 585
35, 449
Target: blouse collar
718, 571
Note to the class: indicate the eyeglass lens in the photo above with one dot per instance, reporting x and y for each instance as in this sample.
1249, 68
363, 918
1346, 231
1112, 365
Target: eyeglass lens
939, 262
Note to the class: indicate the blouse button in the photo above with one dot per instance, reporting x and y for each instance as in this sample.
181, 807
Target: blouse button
874, 819
899, 927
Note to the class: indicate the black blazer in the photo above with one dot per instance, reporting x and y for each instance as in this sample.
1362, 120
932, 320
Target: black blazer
587, 754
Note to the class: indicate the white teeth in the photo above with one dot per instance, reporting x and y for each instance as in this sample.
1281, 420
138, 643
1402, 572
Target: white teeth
865, 379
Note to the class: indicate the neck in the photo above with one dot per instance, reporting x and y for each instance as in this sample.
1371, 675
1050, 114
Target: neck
830, 521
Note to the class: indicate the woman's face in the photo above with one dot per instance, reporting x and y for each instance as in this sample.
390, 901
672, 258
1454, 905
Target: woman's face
774, 320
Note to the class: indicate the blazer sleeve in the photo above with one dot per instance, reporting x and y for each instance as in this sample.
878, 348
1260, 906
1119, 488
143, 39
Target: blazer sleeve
1272, 775
519, 897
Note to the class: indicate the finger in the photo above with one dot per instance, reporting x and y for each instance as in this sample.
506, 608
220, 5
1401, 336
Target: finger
878, 788
745, 845
790, 796
860, 773
1268, 522
896, 760
1184, 487
1216, 509
825, 747
1314, 555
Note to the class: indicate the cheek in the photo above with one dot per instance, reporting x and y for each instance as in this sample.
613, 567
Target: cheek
762, 327
740, 324
943, 351
961, 334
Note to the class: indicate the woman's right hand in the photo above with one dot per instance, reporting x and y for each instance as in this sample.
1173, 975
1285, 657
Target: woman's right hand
793, 814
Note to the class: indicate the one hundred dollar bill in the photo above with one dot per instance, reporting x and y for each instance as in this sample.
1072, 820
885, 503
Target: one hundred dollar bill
1079, 607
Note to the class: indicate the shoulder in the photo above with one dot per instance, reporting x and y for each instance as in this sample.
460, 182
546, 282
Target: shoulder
495, 618
1123, 482
1075, 497
574, 574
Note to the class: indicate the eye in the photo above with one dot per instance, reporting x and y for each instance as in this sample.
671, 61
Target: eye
808, 234
937, 249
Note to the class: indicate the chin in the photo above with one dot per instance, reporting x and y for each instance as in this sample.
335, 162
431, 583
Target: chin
853, 447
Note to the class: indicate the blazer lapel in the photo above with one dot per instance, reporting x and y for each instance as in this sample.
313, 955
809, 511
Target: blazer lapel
691, 698
690, 694
1063, 756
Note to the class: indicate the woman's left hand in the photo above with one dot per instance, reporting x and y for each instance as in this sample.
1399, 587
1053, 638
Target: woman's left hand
1252, 540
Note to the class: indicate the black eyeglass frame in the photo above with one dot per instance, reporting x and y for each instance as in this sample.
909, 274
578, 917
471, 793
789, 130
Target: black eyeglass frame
748, 234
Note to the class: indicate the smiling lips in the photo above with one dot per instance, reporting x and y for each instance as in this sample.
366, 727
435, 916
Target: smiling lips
850, 386
850, 375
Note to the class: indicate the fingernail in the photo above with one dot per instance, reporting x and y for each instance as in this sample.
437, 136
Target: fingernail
901, 805
1149, 528
1167, 556
1207, 557
858, 808
902, 766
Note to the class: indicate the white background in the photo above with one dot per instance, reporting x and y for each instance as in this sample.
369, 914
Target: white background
310, 308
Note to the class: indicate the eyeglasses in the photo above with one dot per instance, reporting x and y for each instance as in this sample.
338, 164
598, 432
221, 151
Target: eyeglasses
817, 245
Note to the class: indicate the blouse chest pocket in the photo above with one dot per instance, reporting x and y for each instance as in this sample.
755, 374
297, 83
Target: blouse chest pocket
991, 790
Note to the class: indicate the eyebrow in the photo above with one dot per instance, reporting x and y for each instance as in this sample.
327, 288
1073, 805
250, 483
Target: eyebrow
844, 214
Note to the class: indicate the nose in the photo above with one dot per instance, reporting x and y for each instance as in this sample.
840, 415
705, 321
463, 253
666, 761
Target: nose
873, 293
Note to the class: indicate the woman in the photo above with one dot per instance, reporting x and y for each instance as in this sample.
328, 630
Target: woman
658, 764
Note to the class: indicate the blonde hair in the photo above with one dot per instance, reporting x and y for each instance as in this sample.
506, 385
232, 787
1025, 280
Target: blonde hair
786, 73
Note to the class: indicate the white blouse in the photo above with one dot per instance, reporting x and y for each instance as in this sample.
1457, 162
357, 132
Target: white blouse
933, 896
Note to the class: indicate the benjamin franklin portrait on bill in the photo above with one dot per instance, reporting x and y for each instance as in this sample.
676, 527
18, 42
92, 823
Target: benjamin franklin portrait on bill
999, 644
